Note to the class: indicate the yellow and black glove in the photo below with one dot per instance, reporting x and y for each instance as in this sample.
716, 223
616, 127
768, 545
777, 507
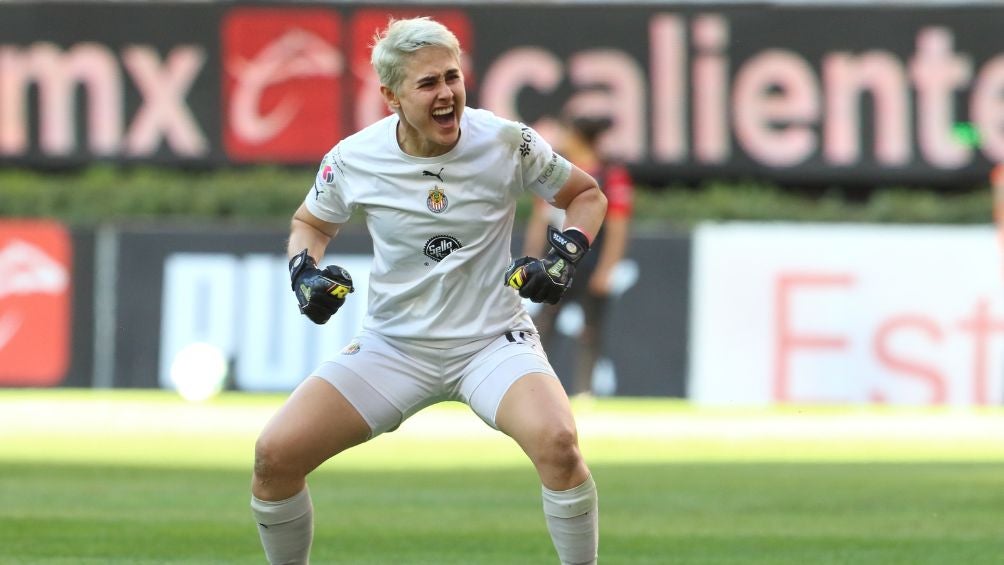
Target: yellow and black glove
319, 293
547, 279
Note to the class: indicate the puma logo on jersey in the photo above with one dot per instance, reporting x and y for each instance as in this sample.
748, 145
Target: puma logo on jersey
438, 175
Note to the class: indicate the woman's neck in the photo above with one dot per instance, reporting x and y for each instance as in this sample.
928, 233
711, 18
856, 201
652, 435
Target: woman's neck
415, 145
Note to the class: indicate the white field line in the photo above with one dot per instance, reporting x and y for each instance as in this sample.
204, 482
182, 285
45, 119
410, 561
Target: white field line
65, 417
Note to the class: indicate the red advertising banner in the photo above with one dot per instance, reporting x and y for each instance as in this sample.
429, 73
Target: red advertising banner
35, 285
282, 83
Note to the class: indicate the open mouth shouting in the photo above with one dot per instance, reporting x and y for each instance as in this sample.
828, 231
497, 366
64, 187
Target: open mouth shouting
445, 116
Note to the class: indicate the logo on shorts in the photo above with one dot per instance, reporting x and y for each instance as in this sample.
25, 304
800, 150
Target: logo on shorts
352, 348
438, 247
437, 201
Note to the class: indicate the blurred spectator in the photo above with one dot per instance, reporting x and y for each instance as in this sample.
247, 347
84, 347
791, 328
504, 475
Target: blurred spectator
593, 278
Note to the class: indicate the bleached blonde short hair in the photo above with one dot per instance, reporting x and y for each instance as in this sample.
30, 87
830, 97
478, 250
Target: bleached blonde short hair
400, 39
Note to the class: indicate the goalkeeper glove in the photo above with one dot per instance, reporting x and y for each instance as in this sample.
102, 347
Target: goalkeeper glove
547, 279
319, 293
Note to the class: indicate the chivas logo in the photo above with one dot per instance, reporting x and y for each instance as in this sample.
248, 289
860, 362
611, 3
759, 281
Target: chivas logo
437, 201
438, 247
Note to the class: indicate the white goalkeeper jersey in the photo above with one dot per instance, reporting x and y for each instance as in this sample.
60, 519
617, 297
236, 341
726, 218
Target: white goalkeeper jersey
441, 226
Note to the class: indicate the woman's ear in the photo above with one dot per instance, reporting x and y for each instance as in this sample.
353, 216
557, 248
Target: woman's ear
390, 98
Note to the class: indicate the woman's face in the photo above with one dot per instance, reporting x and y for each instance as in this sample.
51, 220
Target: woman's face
430, 102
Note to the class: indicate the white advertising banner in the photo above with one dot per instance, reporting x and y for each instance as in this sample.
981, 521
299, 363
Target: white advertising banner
268, 343
846, 314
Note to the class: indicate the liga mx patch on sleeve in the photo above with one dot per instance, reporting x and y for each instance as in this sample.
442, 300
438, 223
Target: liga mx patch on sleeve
35, 287
553, 177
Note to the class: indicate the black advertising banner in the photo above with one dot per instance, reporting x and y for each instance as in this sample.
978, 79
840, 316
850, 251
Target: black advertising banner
108, 81
645, 338
141, 312
81, 367
228, 288
856, 94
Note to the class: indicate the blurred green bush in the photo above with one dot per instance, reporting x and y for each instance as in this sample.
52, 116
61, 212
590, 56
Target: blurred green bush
269, 195
720, 201
106, 194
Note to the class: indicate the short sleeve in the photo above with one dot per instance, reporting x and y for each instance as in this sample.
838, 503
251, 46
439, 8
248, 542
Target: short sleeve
544, 171
327, 199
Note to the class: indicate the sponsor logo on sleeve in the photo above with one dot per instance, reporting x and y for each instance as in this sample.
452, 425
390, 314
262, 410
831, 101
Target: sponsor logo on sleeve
328, 174
527, 141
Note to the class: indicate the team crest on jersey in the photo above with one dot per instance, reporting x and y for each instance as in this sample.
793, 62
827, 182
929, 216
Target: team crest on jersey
439, 246
352, 348
437, 201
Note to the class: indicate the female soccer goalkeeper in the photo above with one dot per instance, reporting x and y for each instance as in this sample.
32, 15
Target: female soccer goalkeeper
438, 184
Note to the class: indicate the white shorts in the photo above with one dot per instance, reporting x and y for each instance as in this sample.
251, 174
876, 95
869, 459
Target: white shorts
389, 379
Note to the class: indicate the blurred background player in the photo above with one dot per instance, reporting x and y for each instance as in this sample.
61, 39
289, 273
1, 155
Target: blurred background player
438, 183
578, 141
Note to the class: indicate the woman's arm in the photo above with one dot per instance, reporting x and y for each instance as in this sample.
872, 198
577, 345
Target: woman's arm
309, 232
583, 202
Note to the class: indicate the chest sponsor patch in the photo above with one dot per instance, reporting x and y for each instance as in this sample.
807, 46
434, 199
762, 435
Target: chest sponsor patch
439, 246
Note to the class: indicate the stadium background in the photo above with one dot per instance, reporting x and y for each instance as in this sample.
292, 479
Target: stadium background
911, 98
814, 273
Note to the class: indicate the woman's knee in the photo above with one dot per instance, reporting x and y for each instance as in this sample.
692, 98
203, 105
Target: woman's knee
558, 447
271, 462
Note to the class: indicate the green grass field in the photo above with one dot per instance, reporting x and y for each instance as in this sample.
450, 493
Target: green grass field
143, 477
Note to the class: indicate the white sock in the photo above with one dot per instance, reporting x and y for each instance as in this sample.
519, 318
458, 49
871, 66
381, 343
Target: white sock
286, 528
573, 519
